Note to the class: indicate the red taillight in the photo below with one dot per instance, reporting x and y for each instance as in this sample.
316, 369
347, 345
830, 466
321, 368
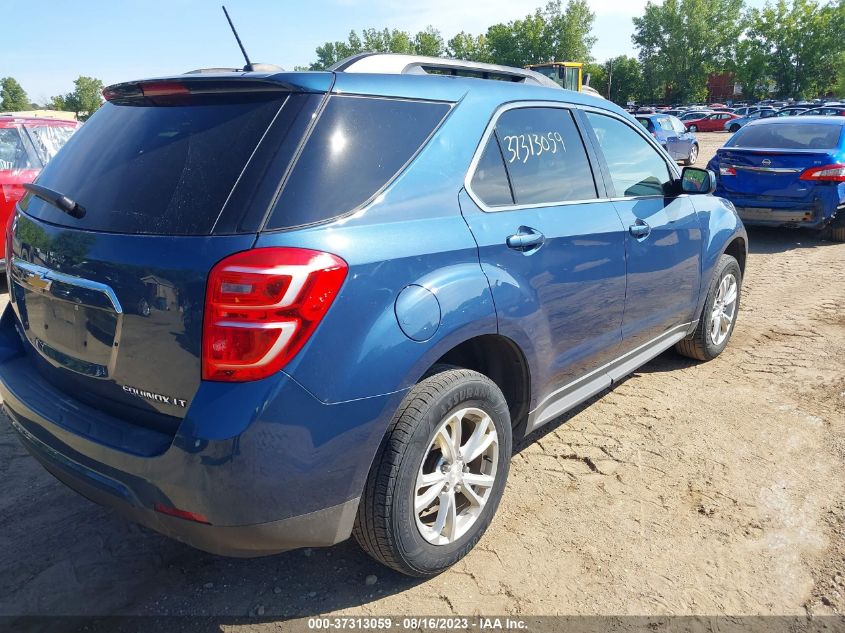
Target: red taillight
164, 89
727, 171
182, 514
828, 173
261, 307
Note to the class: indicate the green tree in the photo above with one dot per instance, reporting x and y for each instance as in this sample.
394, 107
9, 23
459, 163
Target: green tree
625, 80
799, 44
426, 42
86, 97
597, 76
553, 33
12, 96
57, 102
682, 41
470, 47
429, 42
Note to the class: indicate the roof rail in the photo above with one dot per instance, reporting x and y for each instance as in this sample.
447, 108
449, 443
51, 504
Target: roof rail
397, 64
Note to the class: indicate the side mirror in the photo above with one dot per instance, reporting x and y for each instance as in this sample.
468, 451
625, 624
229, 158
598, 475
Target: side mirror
697, 180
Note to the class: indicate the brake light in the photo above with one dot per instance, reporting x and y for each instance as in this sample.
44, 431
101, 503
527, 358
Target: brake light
182, 514
727, 171
261, 307
828, 173
163, 89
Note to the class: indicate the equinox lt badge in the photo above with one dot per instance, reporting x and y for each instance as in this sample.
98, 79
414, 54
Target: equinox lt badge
157, 397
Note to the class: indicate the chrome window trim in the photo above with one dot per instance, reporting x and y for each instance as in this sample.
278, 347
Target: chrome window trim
488, 132
491, 127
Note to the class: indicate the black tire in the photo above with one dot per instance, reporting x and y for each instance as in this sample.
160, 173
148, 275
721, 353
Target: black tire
693, 155
385, 526
734, 128
835, 231
700, 345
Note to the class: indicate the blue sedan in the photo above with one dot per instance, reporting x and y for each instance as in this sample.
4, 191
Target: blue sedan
680, 144
786, 171
733, 125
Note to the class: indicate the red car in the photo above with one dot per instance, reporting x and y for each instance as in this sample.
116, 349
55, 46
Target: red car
26, 144
711, 123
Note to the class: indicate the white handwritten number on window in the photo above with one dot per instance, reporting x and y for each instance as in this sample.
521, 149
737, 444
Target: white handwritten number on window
525, 146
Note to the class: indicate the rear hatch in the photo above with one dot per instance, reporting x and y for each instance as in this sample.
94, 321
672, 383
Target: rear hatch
172, 177
766, 160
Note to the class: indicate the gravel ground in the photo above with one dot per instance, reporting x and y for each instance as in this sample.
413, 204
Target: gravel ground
688, 489
708, 143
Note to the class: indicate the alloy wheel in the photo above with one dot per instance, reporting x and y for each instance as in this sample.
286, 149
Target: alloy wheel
456, 476
724, 309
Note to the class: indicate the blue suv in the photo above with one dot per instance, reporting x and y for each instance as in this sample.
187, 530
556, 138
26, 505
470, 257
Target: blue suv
257, 311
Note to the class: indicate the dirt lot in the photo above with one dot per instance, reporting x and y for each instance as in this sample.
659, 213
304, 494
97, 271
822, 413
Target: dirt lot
688, 489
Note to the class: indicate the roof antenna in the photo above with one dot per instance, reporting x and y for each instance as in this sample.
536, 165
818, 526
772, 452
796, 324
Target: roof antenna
249, 65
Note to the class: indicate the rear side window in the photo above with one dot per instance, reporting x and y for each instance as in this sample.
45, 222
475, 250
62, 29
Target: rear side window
787, 136
13, 154
677, 125
157, 169
636, 168
647, 124
490, 181
358, 145
545, 156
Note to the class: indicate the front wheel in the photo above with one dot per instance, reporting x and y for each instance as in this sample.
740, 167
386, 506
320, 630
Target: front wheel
717, 320
439, 474
693, 156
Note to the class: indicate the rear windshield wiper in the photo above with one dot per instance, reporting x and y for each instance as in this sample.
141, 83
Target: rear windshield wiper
61, 202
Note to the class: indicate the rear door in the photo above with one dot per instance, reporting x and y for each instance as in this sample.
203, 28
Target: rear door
675, 146
551, 245
111, 303
663, 235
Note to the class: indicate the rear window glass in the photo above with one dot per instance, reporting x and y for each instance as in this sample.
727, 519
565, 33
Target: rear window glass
49, 139
357, 147
788, 136
13, 154
157, 169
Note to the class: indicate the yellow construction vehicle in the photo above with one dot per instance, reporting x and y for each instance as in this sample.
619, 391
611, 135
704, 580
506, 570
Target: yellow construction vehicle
569, 75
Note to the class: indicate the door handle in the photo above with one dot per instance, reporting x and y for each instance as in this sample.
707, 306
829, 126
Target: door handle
639, 229
526, 239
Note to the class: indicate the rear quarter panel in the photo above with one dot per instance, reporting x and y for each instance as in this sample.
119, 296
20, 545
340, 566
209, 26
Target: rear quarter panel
411, 234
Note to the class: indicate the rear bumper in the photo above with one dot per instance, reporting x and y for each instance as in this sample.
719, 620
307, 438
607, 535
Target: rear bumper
319, 528
800, 213
269, 466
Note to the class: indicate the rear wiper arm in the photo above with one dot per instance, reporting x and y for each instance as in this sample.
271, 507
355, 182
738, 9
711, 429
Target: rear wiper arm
61, 202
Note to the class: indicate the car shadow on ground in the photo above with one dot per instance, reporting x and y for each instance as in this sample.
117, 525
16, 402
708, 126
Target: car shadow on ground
62, 555
766, 240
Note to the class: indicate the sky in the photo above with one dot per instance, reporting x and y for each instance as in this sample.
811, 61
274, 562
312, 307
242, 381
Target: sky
54, 42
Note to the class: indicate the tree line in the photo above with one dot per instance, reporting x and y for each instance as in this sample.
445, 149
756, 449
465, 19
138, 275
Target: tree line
788, 48
83, 100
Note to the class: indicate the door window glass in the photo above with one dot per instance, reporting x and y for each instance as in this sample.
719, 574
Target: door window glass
636, 168
545, 156
490, 180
